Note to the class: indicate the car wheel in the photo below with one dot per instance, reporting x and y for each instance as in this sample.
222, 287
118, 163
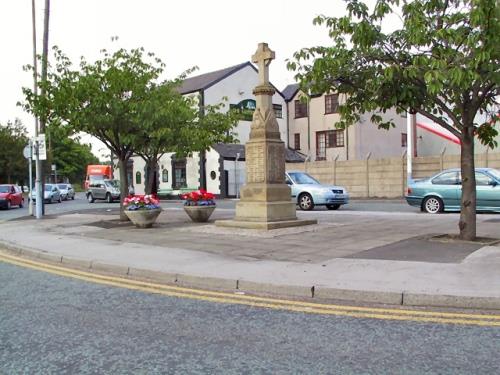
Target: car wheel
433, 205
73, 198
333, 206
21, 204
109, 198
8, 205
60, 199
90, 198
306, 202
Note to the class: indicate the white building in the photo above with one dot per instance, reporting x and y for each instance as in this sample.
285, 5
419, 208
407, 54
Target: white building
225, 164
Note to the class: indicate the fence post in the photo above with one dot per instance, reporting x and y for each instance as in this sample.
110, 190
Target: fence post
335, 169
403, 177
368, 174
441, 164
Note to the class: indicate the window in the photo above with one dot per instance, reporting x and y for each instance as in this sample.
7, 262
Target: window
447, 178
321, 146
138, 178
164, 175
482, 179
404, 140
278, 110
328, 139
331, 103
300, 109
297, 141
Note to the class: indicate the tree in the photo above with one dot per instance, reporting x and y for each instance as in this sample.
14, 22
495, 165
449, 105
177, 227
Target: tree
69, 155
175, 123
13, 165
443, 63
164, 115
100, 99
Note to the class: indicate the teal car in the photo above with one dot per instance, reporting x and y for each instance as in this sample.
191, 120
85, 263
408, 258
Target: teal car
308, 192
443, 191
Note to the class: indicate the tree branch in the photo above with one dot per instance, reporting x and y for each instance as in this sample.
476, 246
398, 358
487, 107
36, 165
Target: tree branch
440, 122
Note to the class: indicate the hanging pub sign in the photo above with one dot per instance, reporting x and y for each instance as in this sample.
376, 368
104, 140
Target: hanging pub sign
246, 108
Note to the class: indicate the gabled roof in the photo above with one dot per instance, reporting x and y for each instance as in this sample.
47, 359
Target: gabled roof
290, 91
206, 80
229, 151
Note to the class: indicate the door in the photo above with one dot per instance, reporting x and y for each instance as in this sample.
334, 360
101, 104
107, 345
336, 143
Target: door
99, 190
293, 188
447, 185
17, 196
487, 192
179, 175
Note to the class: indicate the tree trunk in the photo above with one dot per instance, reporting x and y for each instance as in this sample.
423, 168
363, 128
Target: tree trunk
203, 170
149, 181
122, 166
467, 223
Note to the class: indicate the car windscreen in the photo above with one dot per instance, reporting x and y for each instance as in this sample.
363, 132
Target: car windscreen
113, 184
4, 189
62, 186
97, 177
495, 173
48, 187
302, 178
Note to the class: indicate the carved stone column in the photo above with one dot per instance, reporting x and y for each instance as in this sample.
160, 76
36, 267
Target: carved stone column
265, 199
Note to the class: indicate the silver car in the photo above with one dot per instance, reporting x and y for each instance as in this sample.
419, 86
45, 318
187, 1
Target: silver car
309, 192
51, 194
109, 190
67, 191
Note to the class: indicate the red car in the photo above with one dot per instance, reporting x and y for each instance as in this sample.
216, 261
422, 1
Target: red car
11, 195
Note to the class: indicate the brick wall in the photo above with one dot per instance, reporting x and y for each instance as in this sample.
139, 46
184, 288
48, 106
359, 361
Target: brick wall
384, 178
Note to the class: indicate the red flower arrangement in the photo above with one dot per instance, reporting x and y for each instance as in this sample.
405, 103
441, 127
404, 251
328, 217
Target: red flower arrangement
141, 202
198, 198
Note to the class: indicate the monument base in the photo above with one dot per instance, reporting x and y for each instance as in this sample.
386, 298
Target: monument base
264, 215
266, 225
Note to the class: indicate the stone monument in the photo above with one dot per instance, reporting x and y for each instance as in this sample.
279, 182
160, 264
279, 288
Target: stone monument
265, 199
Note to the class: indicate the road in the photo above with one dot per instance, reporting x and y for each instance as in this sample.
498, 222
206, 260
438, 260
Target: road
80, 203
55, 324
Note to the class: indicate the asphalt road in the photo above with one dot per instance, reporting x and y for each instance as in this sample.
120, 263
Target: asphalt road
51, 324
80, 203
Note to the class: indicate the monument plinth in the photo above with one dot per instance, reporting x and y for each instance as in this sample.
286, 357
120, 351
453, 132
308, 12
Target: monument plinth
265, 199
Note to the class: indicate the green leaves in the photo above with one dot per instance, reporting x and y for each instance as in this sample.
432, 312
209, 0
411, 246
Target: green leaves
444, 62
13, 165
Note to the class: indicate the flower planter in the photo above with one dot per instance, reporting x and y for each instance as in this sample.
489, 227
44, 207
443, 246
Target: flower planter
199, 214
143, 218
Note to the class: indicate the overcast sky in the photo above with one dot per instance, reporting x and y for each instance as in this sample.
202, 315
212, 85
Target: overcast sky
209, 34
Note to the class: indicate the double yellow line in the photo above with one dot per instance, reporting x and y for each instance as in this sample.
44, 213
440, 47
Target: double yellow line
263, 302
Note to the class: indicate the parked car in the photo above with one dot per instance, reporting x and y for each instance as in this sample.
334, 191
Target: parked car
67, 191
11, 195
308, 192
108, 190
443, 191
51, 194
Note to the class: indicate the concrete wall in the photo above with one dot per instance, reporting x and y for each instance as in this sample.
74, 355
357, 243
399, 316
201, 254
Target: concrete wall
385, 178
380, 143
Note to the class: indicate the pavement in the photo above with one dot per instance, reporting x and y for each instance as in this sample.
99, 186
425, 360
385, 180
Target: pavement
395, 258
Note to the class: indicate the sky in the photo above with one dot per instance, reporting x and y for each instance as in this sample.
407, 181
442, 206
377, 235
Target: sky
211, 35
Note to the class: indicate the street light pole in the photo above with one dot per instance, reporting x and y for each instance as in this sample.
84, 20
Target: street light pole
38, 164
